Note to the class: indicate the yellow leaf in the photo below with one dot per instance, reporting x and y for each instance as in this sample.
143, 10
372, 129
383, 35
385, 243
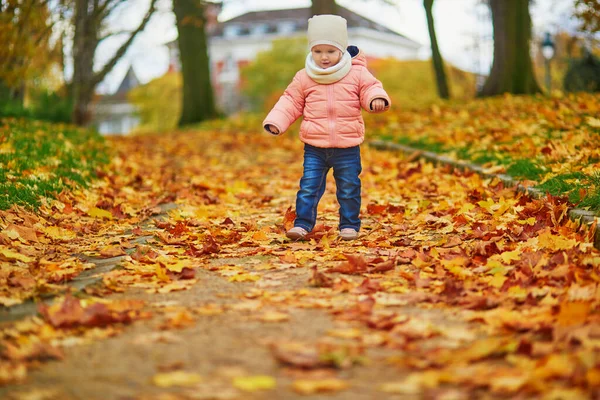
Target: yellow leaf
487, 205
254, 383
593, 122
176, 266
176, 378
58, 233
311, 386
99, 213
552, 242
350, 333
259, 235
466, 207
244, 278
414, 383
13, 255
497, 281
529, 221
12, 234
274, 316
509, 256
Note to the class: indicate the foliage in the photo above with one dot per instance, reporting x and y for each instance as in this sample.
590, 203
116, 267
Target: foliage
26, 52
533, 138
45, 106
158, 103
38, 160
411, 84
265, 79
588, 12
583, 75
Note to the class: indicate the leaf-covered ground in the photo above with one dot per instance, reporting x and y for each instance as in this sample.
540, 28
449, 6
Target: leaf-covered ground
552, 142
458, 288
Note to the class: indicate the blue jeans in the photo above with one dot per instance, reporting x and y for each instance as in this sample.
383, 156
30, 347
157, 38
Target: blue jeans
346, 169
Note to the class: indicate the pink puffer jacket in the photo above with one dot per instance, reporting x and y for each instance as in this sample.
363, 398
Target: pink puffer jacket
332, 115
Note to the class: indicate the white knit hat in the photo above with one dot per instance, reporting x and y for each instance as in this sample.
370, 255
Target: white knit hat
328, 29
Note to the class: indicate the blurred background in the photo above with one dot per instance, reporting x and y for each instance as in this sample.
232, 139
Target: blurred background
152, 65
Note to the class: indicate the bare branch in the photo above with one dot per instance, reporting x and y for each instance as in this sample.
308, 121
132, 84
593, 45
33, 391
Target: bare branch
99, 76
113, 34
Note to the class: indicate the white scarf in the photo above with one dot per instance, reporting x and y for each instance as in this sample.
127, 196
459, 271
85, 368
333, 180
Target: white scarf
331, 74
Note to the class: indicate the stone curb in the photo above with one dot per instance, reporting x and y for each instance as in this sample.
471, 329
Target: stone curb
80, 282
585, 216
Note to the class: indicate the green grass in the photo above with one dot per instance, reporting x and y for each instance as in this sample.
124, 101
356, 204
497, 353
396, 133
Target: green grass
525, 169
39, 160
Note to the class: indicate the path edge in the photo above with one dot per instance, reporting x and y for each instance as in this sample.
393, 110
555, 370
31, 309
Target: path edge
575, 214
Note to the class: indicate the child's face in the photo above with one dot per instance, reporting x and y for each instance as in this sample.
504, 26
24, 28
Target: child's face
325, 55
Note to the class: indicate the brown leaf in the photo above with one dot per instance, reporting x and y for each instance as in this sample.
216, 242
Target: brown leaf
319, 279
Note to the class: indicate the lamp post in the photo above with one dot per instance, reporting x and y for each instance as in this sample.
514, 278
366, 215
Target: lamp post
548, 53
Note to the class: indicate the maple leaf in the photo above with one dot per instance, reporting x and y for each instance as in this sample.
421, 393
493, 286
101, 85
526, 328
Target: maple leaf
353, 265
319, 279
288, 219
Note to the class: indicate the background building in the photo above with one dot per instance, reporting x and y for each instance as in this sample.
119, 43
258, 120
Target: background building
236, 42
113, 114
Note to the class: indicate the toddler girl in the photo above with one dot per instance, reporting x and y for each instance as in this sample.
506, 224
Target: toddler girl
329, 93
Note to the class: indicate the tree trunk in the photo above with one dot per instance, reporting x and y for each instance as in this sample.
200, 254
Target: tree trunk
438, 61
319, 7
512, 70
198, 99
89, 18
85, 43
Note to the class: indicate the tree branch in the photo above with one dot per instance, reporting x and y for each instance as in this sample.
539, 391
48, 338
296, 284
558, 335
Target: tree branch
99, 76
112, 34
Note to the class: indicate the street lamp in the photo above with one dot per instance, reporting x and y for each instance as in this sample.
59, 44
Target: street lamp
548, 53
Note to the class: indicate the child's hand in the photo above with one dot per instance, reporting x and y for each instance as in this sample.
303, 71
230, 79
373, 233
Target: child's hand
378, 105
273, 129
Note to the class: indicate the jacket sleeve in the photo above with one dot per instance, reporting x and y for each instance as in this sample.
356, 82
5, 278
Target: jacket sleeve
288, 109
371, 89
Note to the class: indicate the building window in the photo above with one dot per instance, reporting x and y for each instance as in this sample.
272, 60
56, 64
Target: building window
260, 29
286, 27
230, 31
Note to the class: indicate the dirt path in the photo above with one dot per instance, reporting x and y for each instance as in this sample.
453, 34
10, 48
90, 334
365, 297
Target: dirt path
456, 289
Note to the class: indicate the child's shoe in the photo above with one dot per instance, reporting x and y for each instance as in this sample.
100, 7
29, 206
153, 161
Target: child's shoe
296, 233
348, 234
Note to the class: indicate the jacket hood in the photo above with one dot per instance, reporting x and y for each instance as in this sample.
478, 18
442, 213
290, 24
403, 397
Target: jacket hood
358, 57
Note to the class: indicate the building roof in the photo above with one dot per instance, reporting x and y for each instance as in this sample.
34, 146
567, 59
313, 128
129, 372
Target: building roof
129, 81
299, 17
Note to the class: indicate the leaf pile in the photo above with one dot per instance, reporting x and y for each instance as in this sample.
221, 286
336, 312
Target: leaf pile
465, 286
553, 142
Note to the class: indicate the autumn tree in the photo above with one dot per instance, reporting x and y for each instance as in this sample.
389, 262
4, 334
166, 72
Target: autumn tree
512, 69
588, 12
89, 20
198, 98
26, 51
436, 56
319, 7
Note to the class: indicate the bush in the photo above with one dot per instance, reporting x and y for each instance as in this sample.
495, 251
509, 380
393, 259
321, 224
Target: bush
158, 103
409, 83
583, 75
45, 106
265, 79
